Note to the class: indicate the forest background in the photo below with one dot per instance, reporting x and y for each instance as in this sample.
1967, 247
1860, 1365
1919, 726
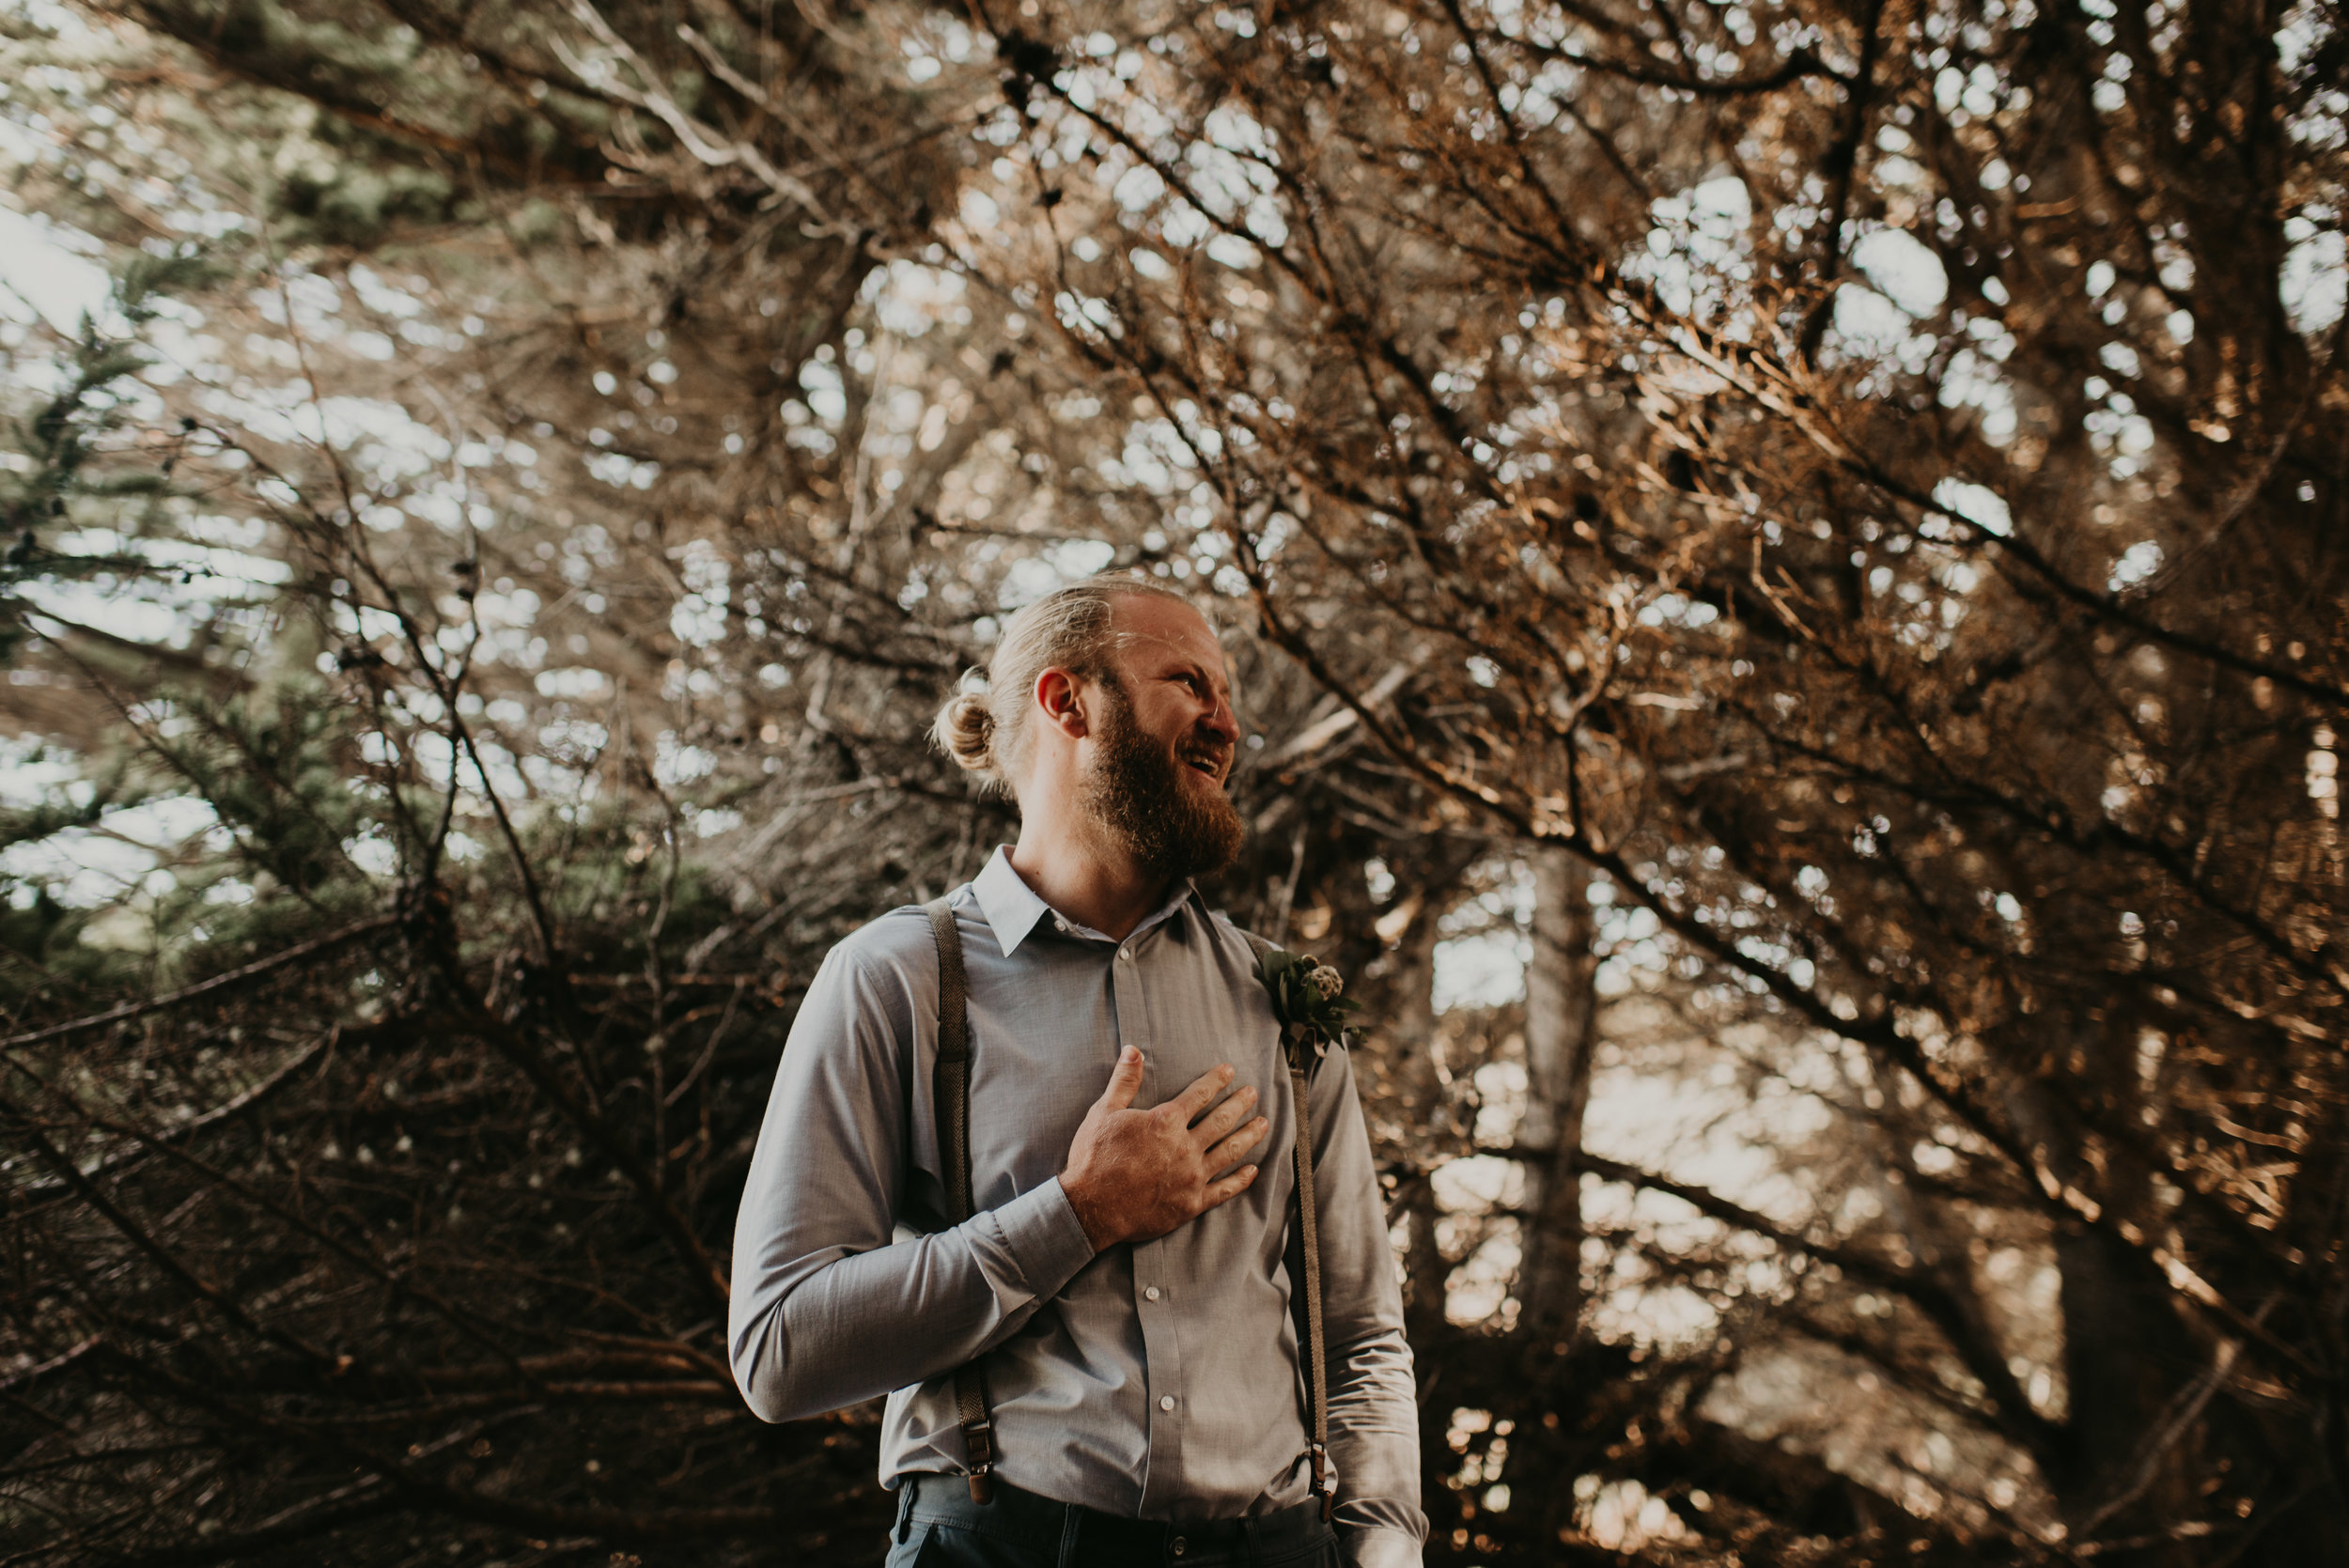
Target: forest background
1783, 562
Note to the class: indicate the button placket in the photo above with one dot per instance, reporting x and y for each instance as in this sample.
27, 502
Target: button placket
1162, 1340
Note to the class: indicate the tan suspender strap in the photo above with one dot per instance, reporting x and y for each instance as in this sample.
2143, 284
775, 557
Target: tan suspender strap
950, 1095
1309, 1226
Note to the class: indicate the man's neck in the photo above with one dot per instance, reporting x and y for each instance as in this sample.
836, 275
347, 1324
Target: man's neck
1092, 883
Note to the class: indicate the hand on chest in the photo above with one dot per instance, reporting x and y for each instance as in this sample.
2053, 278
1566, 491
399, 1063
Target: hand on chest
1045, 1031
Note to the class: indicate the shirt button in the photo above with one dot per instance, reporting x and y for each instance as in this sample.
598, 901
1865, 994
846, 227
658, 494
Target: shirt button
1178, 1545
1126, 954
1150, 1294
1166, 1401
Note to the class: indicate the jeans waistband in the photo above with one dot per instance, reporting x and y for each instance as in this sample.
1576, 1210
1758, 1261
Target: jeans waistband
1070, 1531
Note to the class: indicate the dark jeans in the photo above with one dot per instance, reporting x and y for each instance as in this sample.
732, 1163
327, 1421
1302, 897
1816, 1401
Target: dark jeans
939, 1526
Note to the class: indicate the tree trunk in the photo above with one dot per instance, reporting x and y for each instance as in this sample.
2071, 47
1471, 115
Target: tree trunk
1425, 1270
1560, 1010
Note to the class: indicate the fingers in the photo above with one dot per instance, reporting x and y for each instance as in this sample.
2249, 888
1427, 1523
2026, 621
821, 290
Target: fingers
1202, 1092
1124, 1080
1232, 1148
1229, 1187
1224, 1117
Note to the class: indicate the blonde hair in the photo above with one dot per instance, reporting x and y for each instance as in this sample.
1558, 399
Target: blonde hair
984, 725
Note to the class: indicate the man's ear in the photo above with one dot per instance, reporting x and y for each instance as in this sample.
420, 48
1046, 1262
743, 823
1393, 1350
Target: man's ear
1057, 694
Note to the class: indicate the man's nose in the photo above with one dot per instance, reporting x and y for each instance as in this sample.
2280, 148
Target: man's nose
1223, 722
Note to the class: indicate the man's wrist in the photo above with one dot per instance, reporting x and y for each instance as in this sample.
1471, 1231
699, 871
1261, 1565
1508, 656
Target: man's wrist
1089, 1214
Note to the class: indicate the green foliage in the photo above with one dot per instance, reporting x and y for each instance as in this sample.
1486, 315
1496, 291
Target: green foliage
69, 448
354, 201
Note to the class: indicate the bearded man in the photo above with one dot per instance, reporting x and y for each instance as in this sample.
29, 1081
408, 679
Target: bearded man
1100, 1365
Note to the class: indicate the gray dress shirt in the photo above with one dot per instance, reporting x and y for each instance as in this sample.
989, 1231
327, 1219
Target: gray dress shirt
1156, 1380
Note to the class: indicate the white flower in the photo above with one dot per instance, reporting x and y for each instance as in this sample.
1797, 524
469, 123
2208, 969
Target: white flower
1327, 981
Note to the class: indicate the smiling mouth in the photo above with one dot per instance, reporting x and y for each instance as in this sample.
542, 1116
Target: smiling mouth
1209, 767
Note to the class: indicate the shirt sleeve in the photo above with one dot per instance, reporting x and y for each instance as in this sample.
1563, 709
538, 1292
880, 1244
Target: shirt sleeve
827, 1310
1374, 1399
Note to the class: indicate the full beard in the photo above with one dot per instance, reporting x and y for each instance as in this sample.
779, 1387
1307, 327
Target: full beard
1137, 794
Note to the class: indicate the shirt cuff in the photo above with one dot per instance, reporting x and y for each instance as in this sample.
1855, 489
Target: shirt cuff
1046, 1240
1380, 1548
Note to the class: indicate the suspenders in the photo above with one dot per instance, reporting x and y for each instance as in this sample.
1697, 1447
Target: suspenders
950, 1093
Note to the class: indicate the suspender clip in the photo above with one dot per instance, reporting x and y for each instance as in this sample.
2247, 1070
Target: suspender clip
1322, 1488
979, 1446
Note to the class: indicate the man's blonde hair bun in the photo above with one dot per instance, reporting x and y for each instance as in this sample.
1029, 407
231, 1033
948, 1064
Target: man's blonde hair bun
984, 725
966, 730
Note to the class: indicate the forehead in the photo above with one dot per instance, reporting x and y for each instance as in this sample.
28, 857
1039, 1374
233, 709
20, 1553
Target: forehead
1149, 627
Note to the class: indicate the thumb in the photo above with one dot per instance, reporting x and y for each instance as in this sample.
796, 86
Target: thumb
1124, 1080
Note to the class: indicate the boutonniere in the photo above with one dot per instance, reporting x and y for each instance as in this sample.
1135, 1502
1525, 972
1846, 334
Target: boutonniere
1305, 997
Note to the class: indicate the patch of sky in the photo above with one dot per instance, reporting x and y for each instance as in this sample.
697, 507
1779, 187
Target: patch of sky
2137, 562
382, 296
677, 763
979, 213
911, 298
1486, 969
1082, 314
1698, 245
2301, 33
83, 867
1231, 177
33, 774
699, 618
1231, 251
1868, 326
49, 273
1900, 269
1154, 451
1138, 188
1477, 1183
229, 566
1184, 225
1976, 503
2315, 279
573, 738
827, 397
615, 469
1678, 610
106, 605
1972, 379
380, 437
501, 768
373, 854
